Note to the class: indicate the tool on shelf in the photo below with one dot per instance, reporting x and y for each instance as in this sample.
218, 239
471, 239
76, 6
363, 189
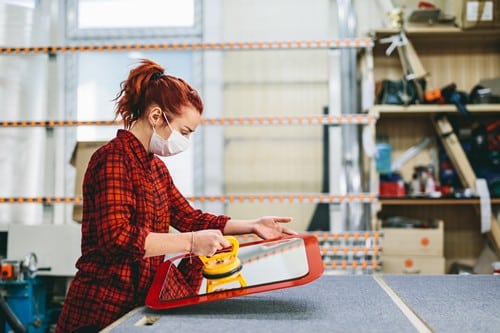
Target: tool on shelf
449, 95
410, 153
413, 70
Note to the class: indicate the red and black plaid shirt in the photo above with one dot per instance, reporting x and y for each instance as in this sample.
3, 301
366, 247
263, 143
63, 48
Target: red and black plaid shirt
127, 193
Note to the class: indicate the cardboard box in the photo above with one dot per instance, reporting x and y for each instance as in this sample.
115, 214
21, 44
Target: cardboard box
480, 14
413, 241
413, 264
80, 159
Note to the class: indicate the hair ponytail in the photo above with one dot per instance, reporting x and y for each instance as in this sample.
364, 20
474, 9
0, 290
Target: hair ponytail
146, 85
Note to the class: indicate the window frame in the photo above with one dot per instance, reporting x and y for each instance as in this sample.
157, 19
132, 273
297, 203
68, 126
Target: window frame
73, 32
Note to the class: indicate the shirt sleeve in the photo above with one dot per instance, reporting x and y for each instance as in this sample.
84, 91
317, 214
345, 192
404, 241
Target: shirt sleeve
185, 217
113, 197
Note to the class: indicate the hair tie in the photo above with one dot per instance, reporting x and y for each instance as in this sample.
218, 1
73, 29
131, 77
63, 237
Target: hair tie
156, 75
135, 113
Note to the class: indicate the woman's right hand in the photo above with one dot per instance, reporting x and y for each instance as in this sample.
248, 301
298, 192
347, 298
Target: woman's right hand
208, 242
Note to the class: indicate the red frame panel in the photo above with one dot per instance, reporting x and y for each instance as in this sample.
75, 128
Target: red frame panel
315, 271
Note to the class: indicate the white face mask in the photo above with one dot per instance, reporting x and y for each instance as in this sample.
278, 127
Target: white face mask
175, 144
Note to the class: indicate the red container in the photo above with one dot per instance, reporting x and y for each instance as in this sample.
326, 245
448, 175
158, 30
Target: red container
392, 189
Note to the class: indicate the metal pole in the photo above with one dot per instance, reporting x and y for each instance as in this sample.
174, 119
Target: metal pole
344, 141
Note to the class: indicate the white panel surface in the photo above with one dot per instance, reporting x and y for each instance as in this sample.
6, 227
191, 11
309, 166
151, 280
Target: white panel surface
56, 246
277, 19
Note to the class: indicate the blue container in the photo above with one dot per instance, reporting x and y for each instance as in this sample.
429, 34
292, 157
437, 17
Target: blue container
384, 158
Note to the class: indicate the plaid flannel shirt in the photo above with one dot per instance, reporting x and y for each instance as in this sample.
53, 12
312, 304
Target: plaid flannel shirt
127, 193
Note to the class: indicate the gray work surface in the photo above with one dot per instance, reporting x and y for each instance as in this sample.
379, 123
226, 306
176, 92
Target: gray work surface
365, 303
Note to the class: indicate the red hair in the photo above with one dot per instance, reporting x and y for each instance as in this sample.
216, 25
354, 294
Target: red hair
146, 85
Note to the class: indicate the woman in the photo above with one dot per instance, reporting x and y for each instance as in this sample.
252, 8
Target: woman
130, 202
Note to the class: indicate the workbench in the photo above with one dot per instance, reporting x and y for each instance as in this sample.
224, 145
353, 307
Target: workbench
334, 303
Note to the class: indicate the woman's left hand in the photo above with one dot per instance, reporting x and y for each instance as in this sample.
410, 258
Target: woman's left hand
268, 227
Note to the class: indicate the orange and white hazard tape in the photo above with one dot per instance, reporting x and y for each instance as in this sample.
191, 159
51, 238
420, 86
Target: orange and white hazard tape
293, 120
327, 236
275, 120
241, 198
350, 235
344, 265
59, 123
345, 250
44, 200
214, 46
293, 198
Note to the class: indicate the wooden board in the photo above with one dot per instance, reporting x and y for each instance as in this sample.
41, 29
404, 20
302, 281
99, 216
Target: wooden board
462, 166
455, 152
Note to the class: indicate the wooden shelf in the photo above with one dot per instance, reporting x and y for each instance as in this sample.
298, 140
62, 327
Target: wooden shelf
426, 109
433, 201
442, 31
427, 30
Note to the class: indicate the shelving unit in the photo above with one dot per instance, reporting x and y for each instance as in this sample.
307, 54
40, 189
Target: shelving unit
450, 55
